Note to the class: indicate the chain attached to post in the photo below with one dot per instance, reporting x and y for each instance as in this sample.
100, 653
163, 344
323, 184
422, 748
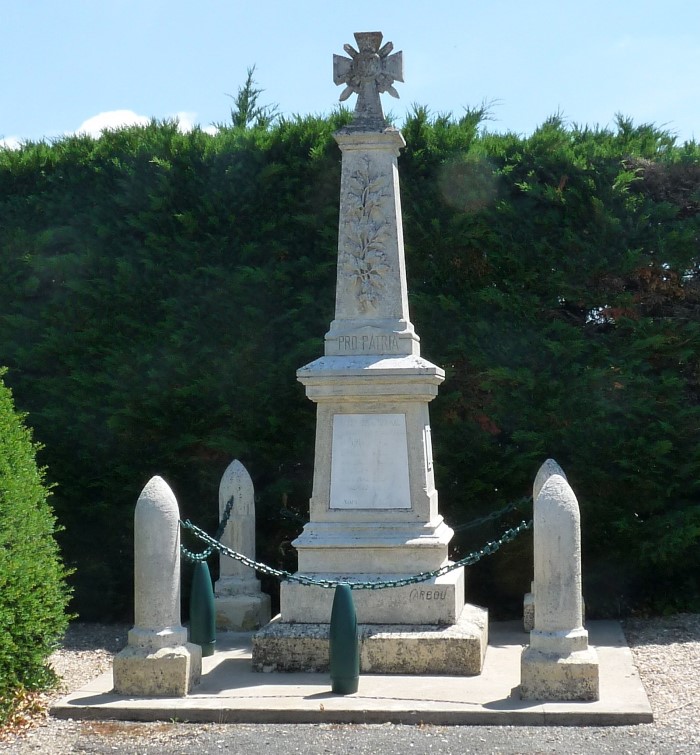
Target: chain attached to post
204, 555
493, 515
470, 559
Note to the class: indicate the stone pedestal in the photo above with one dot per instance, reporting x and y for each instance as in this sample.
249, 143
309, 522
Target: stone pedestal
374, 507
166, 672
559, 666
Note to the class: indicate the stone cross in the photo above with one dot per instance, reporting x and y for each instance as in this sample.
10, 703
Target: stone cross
368, 72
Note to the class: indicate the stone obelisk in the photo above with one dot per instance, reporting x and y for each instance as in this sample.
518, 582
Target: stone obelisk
374, 507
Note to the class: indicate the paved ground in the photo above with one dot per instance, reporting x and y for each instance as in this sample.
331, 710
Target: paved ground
230, 692
122, 738
666, 653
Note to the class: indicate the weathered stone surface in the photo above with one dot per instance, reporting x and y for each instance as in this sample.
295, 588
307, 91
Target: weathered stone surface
529, 612
369, 71
371, 304
435, 601
239, 534
242, 613
457, 649
549, 676
166, 672
557, 548
291, 647
158, 659
157, 568
558, 664
549, 468
240, 604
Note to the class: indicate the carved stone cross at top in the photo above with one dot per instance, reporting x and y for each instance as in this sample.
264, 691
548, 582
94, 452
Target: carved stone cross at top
368, 73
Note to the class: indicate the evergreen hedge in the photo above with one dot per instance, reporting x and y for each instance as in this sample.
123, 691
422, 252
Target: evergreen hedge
33, 592
158, 291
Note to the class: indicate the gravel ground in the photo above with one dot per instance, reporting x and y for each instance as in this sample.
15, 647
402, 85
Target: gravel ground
666, 651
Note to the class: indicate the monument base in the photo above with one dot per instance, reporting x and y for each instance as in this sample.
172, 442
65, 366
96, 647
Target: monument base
242, 613
166, 672
548, 676
455, 650
435, 601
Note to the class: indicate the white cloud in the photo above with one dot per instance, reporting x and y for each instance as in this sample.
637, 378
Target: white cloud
112, 119
187, 121
11, 142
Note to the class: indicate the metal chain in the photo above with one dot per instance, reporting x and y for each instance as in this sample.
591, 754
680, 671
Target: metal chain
493, 515
204, 555
472, 558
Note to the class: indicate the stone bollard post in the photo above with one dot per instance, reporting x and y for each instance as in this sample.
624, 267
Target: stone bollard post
549, 468
240, 605
558, 664
158, 661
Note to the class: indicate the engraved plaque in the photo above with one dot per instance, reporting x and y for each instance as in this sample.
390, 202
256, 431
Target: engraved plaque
369, 464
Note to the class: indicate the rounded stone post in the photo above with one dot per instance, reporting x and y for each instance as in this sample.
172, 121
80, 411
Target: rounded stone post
240, 605
557, 535
157, 568
558, 664
158, 659
549, 468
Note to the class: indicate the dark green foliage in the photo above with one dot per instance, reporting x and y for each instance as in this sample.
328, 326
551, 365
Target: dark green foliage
246, 111
158, 292
566, 310
33, 594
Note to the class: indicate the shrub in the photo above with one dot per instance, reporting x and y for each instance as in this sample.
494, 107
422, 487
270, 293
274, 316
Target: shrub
33, 593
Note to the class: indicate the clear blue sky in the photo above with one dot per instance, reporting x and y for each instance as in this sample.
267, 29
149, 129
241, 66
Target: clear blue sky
64, 62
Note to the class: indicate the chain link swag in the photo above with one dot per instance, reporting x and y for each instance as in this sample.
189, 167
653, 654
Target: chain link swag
204, 555
493, 515
214, 544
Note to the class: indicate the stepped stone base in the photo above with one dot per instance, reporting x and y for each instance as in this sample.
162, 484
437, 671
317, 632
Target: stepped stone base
454, 650
166, 672
548, 676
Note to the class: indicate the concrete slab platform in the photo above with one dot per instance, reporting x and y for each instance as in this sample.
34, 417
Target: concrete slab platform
230, 691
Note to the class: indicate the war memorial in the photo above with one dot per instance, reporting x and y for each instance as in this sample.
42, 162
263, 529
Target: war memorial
374, 526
